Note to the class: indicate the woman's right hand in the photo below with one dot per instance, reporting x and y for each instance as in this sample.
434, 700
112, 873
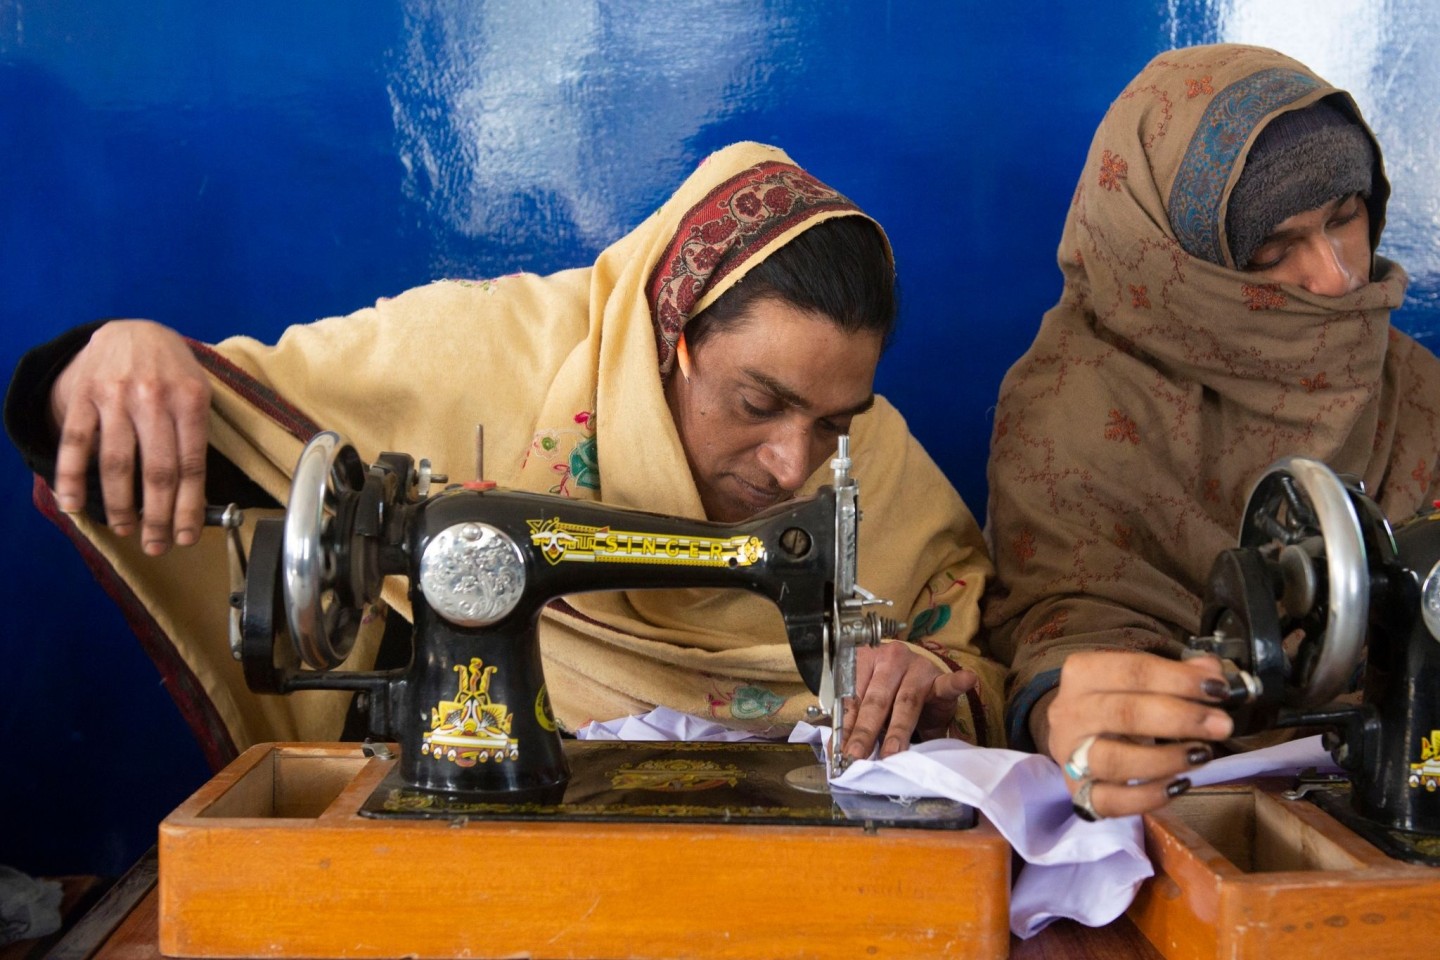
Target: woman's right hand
136, 387
1127, 702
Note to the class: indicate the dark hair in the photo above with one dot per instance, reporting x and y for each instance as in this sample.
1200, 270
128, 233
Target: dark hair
839, 267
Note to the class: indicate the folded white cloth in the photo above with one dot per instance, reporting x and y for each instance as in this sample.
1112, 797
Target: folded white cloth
1087, 872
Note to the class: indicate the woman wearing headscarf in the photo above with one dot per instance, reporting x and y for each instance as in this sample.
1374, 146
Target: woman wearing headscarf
1223, 307
703, 367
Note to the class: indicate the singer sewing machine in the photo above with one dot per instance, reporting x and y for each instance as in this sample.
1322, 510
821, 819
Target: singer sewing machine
490, 833
1326, 617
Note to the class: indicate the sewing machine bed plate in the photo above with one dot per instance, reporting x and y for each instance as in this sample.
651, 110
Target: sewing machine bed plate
274, 858
695, 782
1241, 871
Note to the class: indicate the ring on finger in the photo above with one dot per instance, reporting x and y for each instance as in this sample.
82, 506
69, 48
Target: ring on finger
1078, 766
1083, 804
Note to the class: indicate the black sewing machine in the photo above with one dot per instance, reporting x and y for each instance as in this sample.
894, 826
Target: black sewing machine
1323, 598
471, 713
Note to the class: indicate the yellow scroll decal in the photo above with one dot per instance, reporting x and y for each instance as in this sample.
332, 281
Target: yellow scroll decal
471, 729
576, 541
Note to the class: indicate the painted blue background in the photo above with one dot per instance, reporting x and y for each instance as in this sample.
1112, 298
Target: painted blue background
238, 168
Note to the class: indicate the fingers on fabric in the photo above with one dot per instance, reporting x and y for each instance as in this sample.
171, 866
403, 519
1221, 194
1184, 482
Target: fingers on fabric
896, 694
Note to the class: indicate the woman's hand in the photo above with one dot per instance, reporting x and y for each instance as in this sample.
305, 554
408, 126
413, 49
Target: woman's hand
136, 387
1103, 722
901, 694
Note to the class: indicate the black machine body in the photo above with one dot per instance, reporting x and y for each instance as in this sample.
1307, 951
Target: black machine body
471, 712
1327, 616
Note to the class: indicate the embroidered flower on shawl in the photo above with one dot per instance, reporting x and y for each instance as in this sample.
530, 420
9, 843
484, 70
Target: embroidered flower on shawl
584, 464
745, 703
1197, 86
1317, 382
929, 621
1121, 428
1263, 296
581, 463
752, 703
1113, 169
1212, 490
1048, 630
1139, 296
1024, 547
1421, 474
1122, 536
779, 200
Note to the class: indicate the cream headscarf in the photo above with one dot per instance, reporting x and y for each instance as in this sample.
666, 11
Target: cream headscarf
1128, 437
565, 374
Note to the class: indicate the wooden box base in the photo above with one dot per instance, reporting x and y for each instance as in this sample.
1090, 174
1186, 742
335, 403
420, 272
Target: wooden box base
1242, 872
271, 859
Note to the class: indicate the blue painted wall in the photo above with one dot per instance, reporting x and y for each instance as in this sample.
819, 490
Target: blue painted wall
238, 168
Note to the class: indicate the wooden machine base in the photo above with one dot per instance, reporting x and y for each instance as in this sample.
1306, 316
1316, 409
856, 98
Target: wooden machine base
1241, 871
272, 859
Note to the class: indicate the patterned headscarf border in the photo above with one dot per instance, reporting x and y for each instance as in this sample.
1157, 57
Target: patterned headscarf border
720, 234
1219, 139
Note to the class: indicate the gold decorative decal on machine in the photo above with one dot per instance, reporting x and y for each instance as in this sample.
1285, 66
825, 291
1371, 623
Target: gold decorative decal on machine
558, 541
675, 776
543, 714
1426, 773
471, 729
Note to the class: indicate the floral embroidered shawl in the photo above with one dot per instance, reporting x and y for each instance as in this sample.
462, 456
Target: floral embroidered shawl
565, 374
1128, 437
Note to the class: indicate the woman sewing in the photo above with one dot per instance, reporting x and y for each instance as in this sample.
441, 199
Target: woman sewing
1223, 307
704, 366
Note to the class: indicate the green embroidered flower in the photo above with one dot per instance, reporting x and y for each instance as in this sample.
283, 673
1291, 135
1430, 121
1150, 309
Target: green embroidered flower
929, 621
547, 444
584, 465
751, 703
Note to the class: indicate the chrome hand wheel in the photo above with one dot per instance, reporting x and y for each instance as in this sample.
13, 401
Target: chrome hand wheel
322, 627
1301, 518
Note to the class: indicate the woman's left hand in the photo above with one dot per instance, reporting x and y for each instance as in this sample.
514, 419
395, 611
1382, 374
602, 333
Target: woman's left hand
901, 694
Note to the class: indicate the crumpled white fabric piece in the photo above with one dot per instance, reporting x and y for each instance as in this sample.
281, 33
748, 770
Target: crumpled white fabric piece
1088, 872
662, 723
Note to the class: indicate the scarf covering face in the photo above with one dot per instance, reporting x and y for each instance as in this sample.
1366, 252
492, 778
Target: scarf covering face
565, 373
1128, 438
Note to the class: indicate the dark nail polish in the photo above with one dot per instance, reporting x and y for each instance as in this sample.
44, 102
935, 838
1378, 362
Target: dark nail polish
1198, 755
1215, 689
1177, 787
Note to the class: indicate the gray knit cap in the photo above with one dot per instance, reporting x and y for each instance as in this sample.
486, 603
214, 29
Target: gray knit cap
1301, 160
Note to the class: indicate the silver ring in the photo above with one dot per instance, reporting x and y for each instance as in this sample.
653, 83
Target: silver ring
1078, 766
1085, 807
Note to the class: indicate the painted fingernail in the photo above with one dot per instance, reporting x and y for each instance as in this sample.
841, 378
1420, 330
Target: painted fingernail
68, 504
1199, 755
1177, 787
1215, 689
